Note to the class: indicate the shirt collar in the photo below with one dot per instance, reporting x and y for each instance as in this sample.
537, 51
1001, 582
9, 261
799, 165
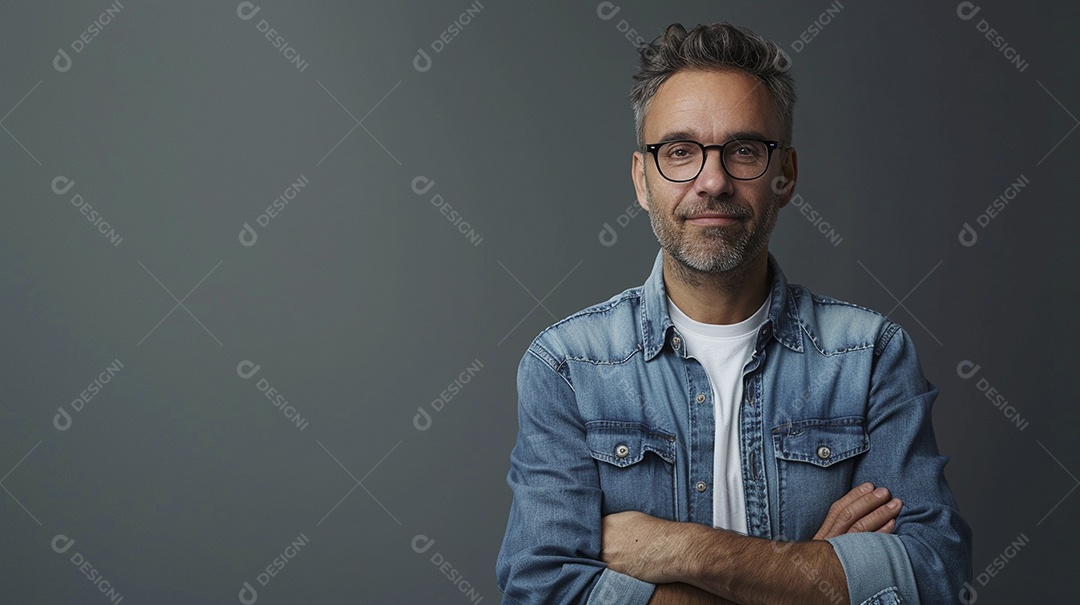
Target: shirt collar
783, 323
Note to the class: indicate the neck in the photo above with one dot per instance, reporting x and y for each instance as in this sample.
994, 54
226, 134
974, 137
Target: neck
718, 298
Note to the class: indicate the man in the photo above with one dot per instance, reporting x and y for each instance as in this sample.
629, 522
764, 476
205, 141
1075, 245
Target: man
719, 435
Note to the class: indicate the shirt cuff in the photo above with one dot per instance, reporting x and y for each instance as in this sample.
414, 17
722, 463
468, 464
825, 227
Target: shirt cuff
875, 565
614, 588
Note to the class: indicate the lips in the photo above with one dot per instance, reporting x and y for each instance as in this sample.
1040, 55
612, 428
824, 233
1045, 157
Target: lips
716, 218
713, 220
713, 215
718, 213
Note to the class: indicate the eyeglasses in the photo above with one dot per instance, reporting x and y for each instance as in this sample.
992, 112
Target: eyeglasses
683, 160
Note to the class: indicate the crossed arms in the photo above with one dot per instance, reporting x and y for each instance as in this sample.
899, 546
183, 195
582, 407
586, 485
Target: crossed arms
560, 548
694, 564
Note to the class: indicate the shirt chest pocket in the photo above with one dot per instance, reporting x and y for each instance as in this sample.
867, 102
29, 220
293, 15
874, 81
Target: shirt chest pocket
815, 466
636, 465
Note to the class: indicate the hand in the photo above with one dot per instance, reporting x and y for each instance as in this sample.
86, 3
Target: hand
862, 509
652, 549
642, 546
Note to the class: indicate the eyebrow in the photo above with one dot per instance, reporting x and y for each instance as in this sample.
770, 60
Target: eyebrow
679, 135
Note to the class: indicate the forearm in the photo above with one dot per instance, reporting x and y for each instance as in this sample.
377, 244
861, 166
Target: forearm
684, 594
752, 570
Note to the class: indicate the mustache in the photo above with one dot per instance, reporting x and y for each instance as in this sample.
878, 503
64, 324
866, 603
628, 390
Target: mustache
713, 205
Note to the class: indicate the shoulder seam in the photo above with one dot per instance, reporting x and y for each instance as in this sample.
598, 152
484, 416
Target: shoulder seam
602, 307
827, 300
549, 360
558, 362
886, 336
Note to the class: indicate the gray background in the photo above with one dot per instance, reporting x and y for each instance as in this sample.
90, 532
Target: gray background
361, 302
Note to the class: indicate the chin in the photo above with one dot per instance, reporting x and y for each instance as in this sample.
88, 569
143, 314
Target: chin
711, 264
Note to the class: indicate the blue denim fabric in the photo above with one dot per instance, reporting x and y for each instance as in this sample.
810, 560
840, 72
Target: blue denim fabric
613, 416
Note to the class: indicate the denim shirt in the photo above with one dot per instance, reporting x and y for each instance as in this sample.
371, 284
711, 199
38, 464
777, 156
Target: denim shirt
614, 416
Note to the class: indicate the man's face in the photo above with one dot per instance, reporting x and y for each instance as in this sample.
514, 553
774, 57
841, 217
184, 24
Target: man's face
713, 223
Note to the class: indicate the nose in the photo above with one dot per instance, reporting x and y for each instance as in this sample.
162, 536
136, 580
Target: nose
713, 180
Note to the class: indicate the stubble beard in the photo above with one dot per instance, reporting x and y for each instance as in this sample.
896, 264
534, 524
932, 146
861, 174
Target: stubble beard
717, 249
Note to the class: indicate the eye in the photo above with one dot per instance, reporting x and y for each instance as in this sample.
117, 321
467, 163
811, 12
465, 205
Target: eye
746, 152
679, 151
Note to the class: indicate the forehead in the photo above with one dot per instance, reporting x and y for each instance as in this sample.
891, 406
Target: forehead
711, 106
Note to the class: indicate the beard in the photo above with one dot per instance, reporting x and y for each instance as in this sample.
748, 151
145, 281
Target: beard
715, 249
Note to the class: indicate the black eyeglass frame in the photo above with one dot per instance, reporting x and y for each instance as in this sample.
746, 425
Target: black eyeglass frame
654, 149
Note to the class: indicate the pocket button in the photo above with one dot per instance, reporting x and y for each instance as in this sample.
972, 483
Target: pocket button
621, 451
824, 452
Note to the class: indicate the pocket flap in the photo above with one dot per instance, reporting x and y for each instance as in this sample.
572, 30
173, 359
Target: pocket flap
625, 443
821, 442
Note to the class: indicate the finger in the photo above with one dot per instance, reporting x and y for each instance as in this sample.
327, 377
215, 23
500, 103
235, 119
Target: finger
848, 509
838, 506
877, 518
860, 508
853, 496
888, 527
845, 518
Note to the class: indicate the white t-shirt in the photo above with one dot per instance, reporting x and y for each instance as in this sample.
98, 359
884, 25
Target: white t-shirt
724, 351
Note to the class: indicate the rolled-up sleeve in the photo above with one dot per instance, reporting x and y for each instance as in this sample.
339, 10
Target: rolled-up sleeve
551, 551
877, 568
928, 557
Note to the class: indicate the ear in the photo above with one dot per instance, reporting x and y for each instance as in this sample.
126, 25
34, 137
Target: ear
789, 173
637, 174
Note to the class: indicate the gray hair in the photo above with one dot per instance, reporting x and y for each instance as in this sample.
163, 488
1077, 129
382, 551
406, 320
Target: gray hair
717, 46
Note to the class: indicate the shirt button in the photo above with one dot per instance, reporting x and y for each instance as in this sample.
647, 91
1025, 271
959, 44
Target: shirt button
824, 452
621, 451
701, 397
700, 486
676, 342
